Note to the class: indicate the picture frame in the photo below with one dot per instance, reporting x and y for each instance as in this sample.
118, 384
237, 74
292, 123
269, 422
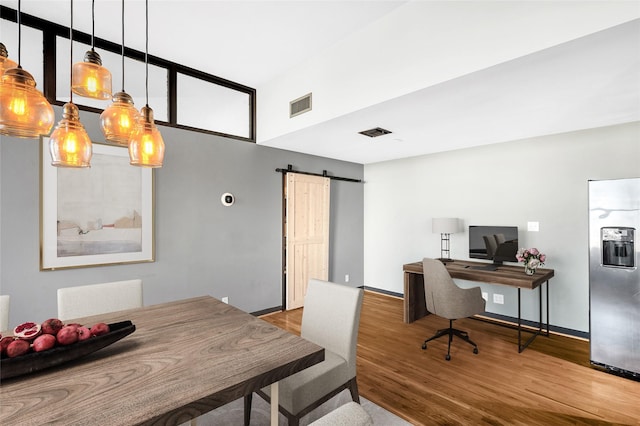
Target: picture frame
101, 215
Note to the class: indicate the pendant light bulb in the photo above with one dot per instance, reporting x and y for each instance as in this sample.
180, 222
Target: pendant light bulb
119, 119
24, 111
5, 62
146, 146
70, 145
89, 78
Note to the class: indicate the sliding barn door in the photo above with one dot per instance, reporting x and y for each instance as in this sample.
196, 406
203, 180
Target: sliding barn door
306, 234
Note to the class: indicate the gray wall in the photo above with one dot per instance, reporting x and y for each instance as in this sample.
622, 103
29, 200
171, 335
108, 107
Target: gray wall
201, 246
541, 179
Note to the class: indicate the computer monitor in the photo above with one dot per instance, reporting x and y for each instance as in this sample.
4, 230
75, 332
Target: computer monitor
496, 243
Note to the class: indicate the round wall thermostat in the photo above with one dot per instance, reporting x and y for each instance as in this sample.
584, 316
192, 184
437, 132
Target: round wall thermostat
227, 199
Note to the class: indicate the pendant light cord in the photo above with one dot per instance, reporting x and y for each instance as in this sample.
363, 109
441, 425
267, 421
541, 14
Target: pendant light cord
146, 54
19, 34
122, 51
71, 56
93, 23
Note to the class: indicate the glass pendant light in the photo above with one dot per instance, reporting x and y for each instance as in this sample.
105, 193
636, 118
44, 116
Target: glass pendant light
146, 147
119, 119
24, 111
70, 145
89, 78
5, 62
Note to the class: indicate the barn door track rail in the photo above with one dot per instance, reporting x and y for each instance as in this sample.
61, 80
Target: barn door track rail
289, 169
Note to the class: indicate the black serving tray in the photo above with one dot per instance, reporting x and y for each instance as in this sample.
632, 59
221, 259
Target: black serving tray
36, 361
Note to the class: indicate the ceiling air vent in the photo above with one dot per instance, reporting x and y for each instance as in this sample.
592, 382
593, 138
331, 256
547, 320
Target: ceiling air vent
300, 105
374, 133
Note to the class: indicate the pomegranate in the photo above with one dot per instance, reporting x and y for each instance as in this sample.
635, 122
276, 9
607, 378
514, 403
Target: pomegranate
52, 326
18, 347
67, 335
4, 342
83, 333
73, 325
99, 329
27, 331
44, 342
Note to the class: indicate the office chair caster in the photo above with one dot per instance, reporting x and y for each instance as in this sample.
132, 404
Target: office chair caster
447, 357
475, 351
424, 346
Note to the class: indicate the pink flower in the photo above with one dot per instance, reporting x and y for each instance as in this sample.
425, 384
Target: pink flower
531, 257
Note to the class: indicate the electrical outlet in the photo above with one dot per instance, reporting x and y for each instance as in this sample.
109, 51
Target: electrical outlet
225, 299
346, 278
498, 299
485, 296
533, 226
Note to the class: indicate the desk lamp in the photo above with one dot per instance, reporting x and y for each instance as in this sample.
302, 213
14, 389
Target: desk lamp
445, 226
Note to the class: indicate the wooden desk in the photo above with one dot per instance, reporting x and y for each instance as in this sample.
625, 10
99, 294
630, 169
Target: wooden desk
513, 276
184, 359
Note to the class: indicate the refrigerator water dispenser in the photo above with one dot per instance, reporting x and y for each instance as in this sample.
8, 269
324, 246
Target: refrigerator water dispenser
618, 247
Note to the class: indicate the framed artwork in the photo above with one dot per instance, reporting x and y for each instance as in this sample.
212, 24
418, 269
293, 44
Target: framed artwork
95, 216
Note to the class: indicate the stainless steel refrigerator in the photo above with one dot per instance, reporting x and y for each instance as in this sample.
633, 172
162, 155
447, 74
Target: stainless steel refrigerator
614, 275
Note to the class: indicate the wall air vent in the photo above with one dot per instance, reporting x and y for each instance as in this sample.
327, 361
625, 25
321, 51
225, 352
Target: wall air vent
300, 105
374, 133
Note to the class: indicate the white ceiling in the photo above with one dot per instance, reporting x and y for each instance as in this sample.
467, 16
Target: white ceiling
249, 42
590, 82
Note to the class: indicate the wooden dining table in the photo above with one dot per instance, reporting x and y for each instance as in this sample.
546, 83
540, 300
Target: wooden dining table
185, 358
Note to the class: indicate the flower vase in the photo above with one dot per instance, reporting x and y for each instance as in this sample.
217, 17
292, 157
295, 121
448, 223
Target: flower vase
529, 271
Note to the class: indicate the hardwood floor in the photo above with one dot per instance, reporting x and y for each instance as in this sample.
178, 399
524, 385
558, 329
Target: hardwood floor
550, 383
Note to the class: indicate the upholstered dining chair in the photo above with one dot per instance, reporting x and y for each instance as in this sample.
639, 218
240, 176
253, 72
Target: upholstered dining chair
81, 301
349, 414
445, 299
330, 318
4, 312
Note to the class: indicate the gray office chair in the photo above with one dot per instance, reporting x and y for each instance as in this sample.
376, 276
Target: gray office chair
491, 244
445, 299
330, 318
